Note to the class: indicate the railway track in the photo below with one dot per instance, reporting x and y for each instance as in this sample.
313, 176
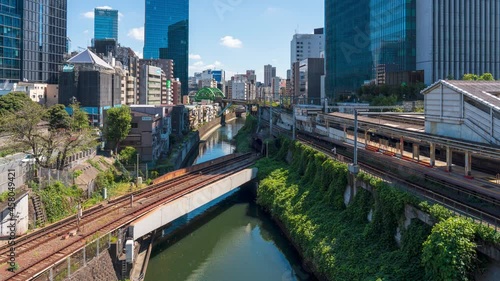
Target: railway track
441, 197
148, 199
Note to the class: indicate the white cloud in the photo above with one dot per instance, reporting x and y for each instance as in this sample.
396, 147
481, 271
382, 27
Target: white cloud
139, 54
231, 42
136, 33
86, 31
199, 66
194, 57
120, 16
88, 15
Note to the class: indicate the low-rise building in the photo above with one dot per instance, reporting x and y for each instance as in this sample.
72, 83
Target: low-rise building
145, 135
466, 110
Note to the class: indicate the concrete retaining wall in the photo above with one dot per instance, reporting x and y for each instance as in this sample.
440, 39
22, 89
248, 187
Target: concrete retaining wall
20, 212
99, 269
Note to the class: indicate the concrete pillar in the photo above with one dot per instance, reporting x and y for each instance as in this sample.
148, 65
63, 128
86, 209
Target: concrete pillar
468, 164
416, 151
432, 148
449, 161
402, 146
366, 138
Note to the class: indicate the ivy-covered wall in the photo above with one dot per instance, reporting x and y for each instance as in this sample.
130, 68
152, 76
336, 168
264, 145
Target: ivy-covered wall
306, 196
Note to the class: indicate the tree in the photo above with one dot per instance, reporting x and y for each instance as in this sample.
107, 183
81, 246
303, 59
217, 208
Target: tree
486, 77
118, 125
13, 102
470, 77
58, 117
473, 77
79, 118
51, 144
128, 155
23, 126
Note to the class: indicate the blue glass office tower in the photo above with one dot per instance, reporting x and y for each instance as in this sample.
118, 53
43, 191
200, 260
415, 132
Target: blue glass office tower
393, 35
347, 46
166, 35
10, 40
105, 24
33, 39
364, 36
160, 14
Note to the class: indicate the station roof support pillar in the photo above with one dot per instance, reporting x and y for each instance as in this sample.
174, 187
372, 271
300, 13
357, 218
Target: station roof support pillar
449, 157
432, 154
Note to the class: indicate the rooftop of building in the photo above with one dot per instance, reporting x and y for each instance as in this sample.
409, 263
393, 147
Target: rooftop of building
87, 57
487, 92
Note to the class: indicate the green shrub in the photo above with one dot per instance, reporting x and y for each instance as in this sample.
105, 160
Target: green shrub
449, 253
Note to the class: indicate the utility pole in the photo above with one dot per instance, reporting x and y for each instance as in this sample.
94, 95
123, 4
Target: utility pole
294, 121
271, 120
354, 168
137, 171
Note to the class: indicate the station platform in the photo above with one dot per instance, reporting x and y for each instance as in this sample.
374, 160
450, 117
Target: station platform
484, 183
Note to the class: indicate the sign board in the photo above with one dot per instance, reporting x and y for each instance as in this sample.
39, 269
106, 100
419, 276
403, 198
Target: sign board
147, 118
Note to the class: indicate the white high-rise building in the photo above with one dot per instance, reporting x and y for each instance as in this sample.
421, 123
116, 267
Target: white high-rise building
239, 90
304, 46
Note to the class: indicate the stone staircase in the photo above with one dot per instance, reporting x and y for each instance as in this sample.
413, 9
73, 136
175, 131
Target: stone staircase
41, 218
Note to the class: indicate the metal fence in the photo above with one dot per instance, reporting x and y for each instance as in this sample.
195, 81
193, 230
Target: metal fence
79, 259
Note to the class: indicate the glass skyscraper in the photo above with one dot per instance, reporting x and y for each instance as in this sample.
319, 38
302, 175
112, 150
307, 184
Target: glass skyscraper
348, 56
160, 14
167, 28
365, 36
33, 39
105, 24
10, 40
393, 35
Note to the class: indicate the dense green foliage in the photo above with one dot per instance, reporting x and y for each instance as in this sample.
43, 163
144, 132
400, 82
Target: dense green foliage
13, 102
449, 253
128, 155
58, 117
244, 137
307, 196
59, 200
474, 77
79, 119
118, 124
387, 95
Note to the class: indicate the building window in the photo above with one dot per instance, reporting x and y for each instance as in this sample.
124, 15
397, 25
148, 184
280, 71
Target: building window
134, 126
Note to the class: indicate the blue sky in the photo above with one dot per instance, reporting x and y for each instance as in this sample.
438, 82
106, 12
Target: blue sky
234, 35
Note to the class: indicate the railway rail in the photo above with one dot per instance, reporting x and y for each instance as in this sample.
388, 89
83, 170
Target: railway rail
440, 197
120, 212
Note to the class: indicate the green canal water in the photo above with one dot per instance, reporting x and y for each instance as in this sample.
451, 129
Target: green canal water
234, 240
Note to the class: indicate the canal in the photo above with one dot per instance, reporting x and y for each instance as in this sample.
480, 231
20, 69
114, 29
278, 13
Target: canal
233, 240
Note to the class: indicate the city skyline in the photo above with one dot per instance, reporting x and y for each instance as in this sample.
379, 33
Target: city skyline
239, 35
